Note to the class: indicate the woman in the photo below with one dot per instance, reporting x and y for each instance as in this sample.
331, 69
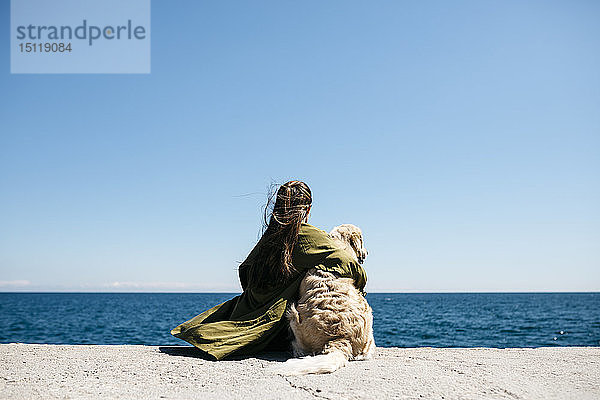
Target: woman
270, 278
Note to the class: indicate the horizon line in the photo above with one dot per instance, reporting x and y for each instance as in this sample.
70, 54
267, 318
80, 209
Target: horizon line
237, 292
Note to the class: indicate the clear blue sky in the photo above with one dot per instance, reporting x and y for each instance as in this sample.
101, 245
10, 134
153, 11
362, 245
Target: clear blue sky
463, 137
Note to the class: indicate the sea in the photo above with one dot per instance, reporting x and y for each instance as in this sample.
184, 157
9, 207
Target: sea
497, 320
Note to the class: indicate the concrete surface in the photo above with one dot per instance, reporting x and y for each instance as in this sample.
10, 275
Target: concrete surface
30, 371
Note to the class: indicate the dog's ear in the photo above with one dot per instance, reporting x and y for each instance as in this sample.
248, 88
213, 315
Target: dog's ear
346, 234
356, 242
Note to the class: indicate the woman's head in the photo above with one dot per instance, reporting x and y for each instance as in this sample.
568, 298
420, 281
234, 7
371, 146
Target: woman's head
286, 210
292, 204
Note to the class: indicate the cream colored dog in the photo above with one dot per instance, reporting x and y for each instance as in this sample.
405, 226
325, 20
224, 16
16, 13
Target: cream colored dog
332, 321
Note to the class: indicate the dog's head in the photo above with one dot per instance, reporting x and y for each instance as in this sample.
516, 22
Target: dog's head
352, 236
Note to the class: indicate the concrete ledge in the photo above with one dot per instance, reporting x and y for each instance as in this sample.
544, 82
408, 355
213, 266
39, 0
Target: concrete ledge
30, 371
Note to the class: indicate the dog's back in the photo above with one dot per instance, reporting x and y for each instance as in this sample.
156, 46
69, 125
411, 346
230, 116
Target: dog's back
331, 320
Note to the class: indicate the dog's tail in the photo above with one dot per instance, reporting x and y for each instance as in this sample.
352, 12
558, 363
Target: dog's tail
319, 364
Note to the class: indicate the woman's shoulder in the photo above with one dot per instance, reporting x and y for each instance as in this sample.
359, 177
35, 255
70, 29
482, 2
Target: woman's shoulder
309, 231
308, 227
310, 238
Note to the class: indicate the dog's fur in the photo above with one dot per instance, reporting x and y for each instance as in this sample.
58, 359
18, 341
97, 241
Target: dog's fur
332, 321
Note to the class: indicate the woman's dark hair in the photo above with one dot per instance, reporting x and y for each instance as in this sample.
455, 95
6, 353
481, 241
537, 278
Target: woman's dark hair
283, 217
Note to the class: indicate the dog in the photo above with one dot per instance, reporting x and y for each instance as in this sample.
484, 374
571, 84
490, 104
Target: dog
332, 322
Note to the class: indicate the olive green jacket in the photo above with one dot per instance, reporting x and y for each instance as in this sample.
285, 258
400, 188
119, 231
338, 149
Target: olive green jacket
255, 320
